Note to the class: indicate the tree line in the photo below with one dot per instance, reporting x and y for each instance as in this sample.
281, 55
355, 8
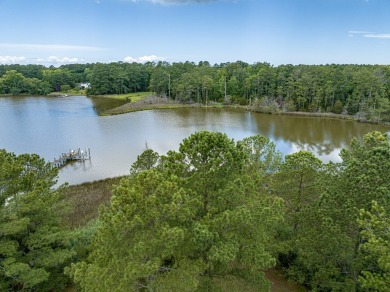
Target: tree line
360, 90
211, 216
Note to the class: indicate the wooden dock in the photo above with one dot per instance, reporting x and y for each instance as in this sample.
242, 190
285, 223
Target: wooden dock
73, 155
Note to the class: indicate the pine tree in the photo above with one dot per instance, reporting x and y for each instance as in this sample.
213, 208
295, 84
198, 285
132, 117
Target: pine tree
33, 244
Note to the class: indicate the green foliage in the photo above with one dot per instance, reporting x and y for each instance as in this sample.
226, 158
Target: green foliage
262, 160
266, 105
297, 183
332, 251
57, 78
147, 160
261, 154
359, 90
303, 88
290, 106
33, 245
15, 83
185, 221
118, 78
211, 216
367, 169
338, 107
65, 88
375, 226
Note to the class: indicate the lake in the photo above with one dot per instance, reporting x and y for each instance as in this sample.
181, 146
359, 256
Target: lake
49, 126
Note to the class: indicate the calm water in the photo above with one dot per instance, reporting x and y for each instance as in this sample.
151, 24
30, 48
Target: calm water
50, 126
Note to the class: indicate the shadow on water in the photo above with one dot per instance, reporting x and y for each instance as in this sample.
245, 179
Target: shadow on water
101, 104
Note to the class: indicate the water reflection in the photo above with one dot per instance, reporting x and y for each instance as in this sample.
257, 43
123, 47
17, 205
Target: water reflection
318, 135
50, 126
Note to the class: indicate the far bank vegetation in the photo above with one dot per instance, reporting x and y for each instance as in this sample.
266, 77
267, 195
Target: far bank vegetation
361, 91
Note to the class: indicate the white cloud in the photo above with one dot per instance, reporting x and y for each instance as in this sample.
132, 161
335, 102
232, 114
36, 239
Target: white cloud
359, 32
49, 47
64, 60
11, 59
369, 34
377, 35
54, 60
144, 59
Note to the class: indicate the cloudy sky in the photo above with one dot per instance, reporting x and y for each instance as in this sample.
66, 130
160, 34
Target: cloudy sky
55, 32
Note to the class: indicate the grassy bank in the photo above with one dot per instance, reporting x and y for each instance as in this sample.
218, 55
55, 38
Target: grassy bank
144, 101
85, 200
147, 101
128, 108
318, 115
141, 101
131, 97
324, 115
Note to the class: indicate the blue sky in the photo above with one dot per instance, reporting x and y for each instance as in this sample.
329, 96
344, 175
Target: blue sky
55, 32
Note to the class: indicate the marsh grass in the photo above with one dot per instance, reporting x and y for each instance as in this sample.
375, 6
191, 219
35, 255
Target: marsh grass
133, 97
85, 200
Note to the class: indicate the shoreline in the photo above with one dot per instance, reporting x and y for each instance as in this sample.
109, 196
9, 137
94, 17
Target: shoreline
154, 103
332, 116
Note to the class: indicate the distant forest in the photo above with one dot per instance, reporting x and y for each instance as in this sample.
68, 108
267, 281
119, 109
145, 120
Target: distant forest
359, 90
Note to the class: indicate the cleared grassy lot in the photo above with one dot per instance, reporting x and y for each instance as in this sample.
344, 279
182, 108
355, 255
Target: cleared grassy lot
133, 97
